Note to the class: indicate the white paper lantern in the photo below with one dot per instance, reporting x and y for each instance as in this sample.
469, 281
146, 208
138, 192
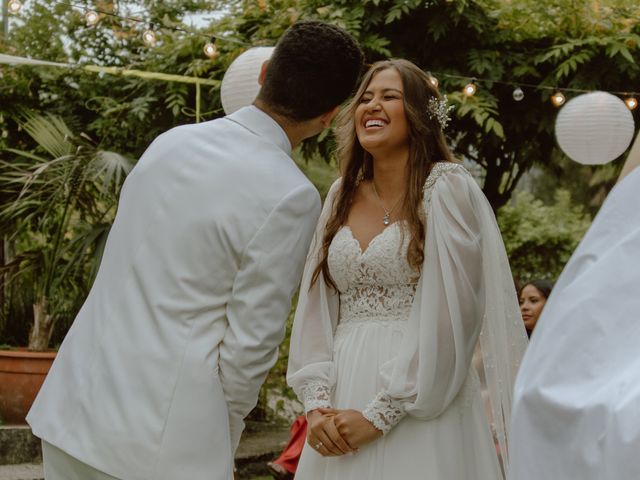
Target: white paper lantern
594, 128
240, 82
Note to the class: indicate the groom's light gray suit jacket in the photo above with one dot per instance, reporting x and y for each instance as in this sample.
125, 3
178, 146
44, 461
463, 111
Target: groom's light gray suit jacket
183, 322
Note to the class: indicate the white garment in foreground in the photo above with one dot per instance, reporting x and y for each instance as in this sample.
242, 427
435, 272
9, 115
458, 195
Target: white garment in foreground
399, 348
168, 353
62, 466
577, 396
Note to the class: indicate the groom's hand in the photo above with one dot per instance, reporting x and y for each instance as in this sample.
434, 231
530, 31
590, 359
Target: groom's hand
354, 428
322, 434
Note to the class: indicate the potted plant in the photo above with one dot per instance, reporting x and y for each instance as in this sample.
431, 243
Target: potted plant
56, 207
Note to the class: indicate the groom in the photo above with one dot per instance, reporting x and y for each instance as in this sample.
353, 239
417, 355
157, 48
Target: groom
183, 322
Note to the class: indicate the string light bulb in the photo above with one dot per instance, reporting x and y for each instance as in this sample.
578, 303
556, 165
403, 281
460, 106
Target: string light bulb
210, 49
433, 80
149, 36
91, 17
632, 103
470, 89
518, 94
558, 99
14, 6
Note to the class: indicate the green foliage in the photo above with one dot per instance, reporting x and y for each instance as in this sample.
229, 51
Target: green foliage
125, 113
589, 185
545, 43
276, 381
58, 202
540, 238
584, 45
321, 173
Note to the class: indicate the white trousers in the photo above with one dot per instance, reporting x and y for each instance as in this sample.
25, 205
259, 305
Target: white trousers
59, 465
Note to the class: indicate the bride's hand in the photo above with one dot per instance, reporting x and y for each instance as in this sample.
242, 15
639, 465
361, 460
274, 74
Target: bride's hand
354, 428
322, 434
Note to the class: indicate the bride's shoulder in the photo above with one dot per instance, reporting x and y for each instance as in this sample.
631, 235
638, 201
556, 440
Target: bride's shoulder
440, 170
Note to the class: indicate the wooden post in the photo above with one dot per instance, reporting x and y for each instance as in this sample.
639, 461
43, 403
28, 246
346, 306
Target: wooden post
5, 18
198, 98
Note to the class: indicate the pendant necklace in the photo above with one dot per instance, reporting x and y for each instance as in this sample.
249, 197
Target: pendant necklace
387, 213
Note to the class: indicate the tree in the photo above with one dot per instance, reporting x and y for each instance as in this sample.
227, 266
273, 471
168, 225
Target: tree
539, 43
540, 238
542, 43
60, 206
124, 113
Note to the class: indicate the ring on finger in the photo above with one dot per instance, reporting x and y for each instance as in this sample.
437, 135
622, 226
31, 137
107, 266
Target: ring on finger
318, 445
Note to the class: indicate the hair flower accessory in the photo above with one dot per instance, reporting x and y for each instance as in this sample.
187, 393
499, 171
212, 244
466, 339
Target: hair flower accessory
439, 110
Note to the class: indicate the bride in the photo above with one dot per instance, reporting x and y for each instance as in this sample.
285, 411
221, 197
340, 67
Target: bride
406, 275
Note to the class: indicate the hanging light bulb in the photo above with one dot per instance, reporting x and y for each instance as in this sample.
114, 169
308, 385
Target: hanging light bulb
433, 80
632, 103
149, 36
210, 49
558, 99
91, 17
518, 94
14, 6
470, 89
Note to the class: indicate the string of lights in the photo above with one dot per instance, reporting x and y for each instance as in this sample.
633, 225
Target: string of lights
557, 97
150, 38
93, 16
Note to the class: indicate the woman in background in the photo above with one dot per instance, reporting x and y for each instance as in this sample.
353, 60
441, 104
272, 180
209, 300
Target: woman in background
533, 296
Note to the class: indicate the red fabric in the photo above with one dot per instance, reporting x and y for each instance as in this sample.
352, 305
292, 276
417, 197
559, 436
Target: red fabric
288, 459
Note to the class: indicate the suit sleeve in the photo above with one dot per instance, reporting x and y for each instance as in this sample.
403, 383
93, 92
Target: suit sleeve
311, 371
269, 273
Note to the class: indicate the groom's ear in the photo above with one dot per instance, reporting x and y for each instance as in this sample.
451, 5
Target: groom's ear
263, 72
328, 117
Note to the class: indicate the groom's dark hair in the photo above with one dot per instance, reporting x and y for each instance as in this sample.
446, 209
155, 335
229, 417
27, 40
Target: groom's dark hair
313, 69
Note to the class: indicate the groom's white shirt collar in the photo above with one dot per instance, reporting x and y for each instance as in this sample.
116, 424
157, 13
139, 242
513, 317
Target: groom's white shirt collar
258, 122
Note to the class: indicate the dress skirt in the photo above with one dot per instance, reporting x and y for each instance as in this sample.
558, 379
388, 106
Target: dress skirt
457, 445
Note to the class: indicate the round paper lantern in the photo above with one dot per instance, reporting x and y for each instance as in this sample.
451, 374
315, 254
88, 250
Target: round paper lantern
594, 128
240, 82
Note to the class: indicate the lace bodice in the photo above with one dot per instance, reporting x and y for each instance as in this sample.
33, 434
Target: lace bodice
377, 285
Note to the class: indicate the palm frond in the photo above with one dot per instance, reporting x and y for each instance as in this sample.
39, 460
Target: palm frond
112, 167
50, 132
60, 208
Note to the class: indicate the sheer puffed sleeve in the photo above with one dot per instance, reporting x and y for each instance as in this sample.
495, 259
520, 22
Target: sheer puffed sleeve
311, 372
464, 280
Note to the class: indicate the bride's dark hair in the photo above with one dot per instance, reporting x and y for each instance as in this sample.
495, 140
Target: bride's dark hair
427, 146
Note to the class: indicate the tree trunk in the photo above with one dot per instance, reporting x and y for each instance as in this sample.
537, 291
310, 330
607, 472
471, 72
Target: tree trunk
43, 324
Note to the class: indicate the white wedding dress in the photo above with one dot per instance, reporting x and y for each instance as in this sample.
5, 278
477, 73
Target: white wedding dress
398, 346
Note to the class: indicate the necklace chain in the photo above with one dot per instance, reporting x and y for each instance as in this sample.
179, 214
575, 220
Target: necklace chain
387, 213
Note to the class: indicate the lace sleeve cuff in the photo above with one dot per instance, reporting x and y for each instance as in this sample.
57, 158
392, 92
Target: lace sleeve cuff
316, 395
384, 412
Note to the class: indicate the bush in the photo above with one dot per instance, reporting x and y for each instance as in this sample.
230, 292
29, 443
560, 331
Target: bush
540, 238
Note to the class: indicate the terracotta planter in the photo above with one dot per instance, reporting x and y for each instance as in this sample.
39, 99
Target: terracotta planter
21, 375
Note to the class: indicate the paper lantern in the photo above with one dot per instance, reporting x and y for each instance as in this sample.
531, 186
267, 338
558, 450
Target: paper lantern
594, 128
240, 82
